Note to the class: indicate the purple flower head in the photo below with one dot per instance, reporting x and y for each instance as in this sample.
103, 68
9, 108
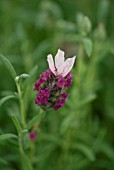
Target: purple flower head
50, 90
32, 136
53, 82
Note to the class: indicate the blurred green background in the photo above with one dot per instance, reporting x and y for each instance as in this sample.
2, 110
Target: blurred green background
80, 135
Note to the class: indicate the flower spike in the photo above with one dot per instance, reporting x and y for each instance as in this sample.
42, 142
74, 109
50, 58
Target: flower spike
54, 82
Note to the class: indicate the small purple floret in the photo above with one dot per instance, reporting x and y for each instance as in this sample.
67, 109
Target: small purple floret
64, 96
68, 81
49, 72
60, 102
60, 83
69, 75
38, 100
42, 97
38, 84
44, 92
45, 76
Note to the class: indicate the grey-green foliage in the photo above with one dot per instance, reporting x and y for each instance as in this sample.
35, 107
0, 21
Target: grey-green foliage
80, 135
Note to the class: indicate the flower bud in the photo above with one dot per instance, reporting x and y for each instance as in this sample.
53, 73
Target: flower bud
84, 24
32, 136
100, 32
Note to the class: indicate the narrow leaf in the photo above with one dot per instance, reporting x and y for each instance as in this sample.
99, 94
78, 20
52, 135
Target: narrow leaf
88, 46
24, 75
16, 123
35, 119
88, 99
8, 66
4, 99
7, 136
25, 139
85, 150
3, 161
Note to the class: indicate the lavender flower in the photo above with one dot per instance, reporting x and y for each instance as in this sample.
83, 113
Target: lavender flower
53, 82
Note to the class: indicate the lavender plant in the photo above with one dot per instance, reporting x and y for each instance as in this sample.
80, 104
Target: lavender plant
51, 94
78, 136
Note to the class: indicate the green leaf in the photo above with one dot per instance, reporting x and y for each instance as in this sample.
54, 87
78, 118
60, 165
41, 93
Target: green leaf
67, 121
24, 75
26, 162
4, 99
104, 6
8, 66
89, 98
107, 150
51, 138
35, 119
7, 136
3, 161
85, 150
16, 123
88, 45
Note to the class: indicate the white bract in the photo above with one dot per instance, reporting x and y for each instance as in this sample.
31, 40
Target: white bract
61, 67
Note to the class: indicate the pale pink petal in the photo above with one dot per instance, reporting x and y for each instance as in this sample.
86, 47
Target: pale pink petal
68, 66
51, 63
60, 69
59, 61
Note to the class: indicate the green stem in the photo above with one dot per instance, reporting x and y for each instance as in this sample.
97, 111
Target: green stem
20, 145
22, 108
